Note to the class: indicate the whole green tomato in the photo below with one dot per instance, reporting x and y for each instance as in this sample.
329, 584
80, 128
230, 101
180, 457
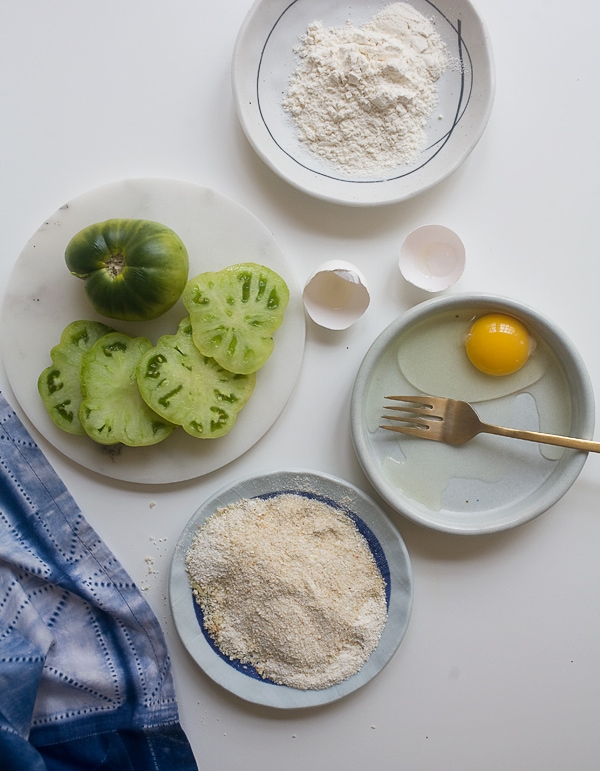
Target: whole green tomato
134, 270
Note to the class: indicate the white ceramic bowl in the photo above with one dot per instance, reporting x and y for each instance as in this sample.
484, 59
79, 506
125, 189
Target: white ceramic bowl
491, 483
264, 60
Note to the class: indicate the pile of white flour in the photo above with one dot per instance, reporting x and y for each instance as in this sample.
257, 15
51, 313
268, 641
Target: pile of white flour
361, 97
289, 585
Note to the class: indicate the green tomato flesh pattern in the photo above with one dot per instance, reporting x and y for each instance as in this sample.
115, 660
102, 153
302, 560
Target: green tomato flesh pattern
234, 313
59, 385
134, 270
112, 410
190, 389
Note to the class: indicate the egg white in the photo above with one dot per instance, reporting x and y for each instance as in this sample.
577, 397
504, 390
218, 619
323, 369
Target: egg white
432, 358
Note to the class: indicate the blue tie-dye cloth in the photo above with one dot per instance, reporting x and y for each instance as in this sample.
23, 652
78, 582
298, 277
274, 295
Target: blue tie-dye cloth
85, 676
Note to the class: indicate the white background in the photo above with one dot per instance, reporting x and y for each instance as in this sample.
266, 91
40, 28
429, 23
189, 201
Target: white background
500, 668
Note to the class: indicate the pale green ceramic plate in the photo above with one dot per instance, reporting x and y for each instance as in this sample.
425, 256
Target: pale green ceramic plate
491, 483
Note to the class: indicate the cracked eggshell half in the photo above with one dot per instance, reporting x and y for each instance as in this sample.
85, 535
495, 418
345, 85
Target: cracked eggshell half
432, 257
336, 295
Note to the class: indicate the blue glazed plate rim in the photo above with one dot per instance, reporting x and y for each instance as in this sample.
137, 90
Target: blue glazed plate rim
380, 533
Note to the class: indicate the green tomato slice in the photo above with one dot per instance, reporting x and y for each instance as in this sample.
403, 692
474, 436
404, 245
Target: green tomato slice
134, 270
112, 410
190, 389
234, 313
59, 385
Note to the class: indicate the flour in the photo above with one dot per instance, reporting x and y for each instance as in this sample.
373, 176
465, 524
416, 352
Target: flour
361, 97
289, 585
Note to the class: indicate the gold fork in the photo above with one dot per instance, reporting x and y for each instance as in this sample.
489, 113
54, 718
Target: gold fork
455, 422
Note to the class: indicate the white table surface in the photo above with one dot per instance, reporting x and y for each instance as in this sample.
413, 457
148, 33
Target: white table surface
500, 668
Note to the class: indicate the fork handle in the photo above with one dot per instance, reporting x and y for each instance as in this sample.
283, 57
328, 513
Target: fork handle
534, 436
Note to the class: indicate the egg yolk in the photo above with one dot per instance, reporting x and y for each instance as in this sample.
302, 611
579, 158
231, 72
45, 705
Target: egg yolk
498, 345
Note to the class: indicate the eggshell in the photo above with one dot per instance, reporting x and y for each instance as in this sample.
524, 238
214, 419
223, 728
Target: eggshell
432, 257
336, 295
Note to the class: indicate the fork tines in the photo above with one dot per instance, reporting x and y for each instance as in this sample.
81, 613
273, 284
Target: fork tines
410, 418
